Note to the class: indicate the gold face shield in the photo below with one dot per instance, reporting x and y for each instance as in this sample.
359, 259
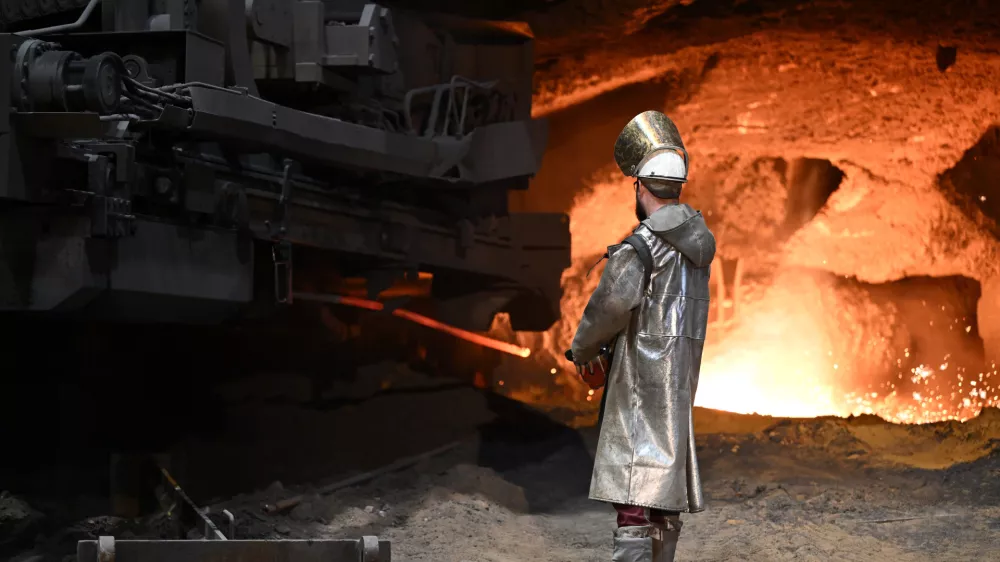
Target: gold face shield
646, 135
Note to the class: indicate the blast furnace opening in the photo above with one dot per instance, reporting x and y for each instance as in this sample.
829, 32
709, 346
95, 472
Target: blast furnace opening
971, 183
811, 182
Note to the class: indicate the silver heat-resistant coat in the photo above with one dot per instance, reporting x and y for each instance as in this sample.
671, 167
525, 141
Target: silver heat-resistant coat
646, 452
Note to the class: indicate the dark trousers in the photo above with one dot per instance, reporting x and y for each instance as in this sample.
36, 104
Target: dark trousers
635, 516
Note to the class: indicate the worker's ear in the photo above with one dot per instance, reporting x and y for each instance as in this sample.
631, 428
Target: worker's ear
640, 189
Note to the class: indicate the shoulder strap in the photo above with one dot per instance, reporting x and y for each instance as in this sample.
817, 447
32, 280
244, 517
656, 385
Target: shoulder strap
645, 256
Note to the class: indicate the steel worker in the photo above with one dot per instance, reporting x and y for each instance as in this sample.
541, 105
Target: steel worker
646, 323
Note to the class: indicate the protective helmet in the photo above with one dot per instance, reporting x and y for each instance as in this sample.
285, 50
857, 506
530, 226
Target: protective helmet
650, 148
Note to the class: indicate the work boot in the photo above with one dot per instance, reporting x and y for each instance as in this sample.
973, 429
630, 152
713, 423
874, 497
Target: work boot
633, 544
665, 544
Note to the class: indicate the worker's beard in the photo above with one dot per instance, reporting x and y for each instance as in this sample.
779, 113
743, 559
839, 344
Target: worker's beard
640, 213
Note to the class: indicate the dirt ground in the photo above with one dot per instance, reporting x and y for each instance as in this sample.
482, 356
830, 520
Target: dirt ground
515, 488
786, 490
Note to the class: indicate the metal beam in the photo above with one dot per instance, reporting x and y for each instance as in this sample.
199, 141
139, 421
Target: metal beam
387, 235
106, 549
247, 119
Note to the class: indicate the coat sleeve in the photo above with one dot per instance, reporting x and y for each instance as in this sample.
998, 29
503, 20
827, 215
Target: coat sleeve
610, 307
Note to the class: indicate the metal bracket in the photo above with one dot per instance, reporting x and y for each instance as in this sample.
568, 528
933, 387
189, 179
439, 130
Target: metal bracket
211, 531
277, 228
123, 157
230, 524
110, 166
270, 21
281, 251
111, 217
231, 208
111, 162
369, 44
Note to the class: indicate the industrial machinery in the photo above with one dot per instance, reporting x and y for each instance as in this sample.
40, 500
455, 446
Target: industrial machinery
197, 161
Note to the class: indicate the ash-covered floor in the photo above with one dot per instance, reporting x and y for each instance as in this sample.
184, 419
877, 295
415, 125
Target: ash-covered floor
808, 490
515, 489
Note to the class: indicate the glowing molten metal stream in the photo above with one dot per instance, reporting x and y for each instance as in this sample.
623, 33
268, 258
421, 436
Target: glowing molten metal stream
422, 320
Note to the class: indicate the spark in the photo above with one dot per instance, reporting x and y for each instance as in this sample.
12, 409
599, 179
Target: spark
798, 346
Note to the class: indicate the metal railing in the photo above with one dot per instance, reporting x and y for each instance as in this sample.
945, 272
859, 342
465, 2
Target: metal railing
455, 116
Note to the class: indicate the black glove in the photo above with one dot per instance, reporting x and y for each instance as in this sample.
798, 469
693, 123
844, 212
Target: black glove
594, 372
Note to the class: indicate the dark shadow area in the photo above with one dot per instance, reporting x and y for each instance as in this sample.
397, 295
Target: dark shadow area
940, 316
945, 57
74, 394
959, 477
233, 448
335, 403
232, 418
517, 443
971, 183
935, 327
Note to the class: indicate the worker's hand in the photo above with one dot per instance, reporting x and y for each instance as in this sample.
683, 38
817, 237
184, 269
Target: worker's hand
593, 372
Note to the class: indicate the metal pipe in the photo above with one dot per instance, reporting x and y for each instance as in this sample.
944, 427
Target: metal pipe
62, 27
211, 531
466, 335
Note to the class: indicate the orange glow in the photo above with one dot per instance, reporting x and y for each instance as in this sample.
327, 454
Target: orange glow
358, 287
801, 346
909, 206
466, 335
479, 381
790, 355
